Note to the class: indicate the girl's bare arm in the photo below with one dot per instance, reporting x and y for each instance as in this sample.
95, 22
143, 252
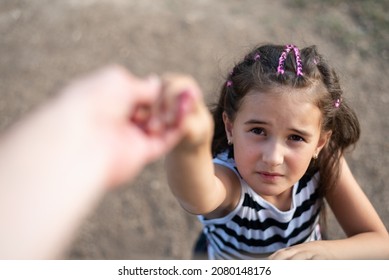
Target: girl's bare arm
190, 170
367, 235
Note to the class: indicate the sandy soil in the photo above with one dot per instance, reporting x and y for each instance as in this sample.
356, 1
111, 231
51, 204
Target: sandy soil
46, 43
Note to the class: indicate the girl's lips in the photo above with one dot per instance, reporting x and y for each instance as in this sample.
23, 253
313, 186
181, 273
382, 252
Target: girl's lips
270, 173
269, 176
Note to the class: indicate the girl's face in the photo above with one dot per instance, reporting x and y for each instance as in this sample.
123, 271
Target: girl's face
275, 137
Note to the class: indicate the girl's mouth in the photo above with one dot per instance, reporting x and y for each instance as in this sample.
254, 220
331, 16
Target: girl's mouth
270, 176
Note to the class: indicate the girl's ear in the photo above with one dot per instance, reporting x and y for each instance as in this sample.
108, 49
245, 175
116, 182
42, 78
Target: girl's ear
323, 140
228, 127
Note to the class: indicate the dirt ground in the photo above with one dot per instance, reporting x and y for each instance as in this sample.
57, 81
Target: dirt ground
44, 44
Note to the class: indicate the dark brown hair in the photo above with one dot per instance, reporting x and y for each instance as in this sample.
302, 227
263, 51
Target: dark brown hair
258, 71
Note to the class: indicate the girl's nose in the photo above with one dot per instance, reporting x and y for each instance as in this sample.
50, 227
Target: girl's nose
273, 154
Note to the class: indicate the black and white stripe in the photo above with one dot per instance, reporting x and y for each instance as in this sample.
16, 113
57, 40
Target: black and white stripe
256, 228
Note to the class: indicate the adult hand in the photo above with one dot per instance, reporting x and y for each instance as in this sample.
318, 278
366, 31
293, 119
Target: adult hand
116, 112
57, 162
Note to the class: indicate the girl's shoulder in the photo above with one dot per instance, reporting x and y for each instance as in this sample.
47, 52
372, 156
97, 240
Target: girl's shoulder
226, 159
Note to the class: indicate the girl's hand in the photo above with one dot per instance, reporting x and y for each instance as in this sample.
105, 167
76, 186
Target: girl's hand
182, 105
314, 250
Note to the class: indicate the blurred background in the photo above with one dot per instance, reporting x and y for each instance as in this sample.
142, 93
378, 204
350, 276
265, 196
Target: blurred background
46, 43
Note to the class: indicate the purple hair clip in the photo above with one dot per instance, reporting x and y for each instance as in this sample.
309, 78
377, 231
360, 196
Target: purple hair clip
337, 103
229, 83
281, 61
257, 56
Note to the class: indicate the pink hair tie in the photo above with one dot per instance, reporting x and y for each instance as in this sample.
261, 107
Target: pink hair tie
229, 83
337, 103
257, 56
299, 64
281, 61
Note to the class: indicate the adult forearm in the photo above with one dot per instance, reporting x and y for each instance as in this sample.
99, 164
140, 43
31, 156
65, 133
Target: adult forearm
45, 186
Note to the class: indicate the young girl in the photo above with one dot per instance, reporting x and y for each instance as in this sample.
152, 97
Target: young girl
257, 174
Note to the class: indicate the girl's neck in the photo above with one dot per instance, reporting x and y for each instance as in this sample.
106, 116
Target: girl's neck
282, 202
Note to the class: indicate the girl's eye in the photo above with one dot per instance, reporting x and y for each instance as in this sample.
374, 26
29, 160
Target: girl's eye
257, 130
296, 138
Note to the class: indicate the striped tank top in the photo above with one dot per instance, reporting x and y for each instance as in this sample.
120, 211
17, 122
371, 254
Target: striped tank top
256, 228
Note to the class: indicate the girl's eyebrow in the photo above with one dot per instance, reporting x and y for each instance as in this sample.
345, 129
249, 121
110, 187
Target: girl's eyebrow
254, 121
302, 132
298, 131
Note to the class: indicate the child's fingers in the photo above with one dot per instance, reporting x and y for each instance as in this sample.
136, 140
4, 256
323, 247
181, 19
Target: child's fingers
169, 115
172, 103
184, 103
174, 84
177, 90
174, 111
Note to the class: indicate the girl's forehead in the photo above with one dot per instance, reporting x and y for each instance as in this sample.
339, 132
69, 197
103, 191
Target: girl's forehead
292, 106
281, 97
